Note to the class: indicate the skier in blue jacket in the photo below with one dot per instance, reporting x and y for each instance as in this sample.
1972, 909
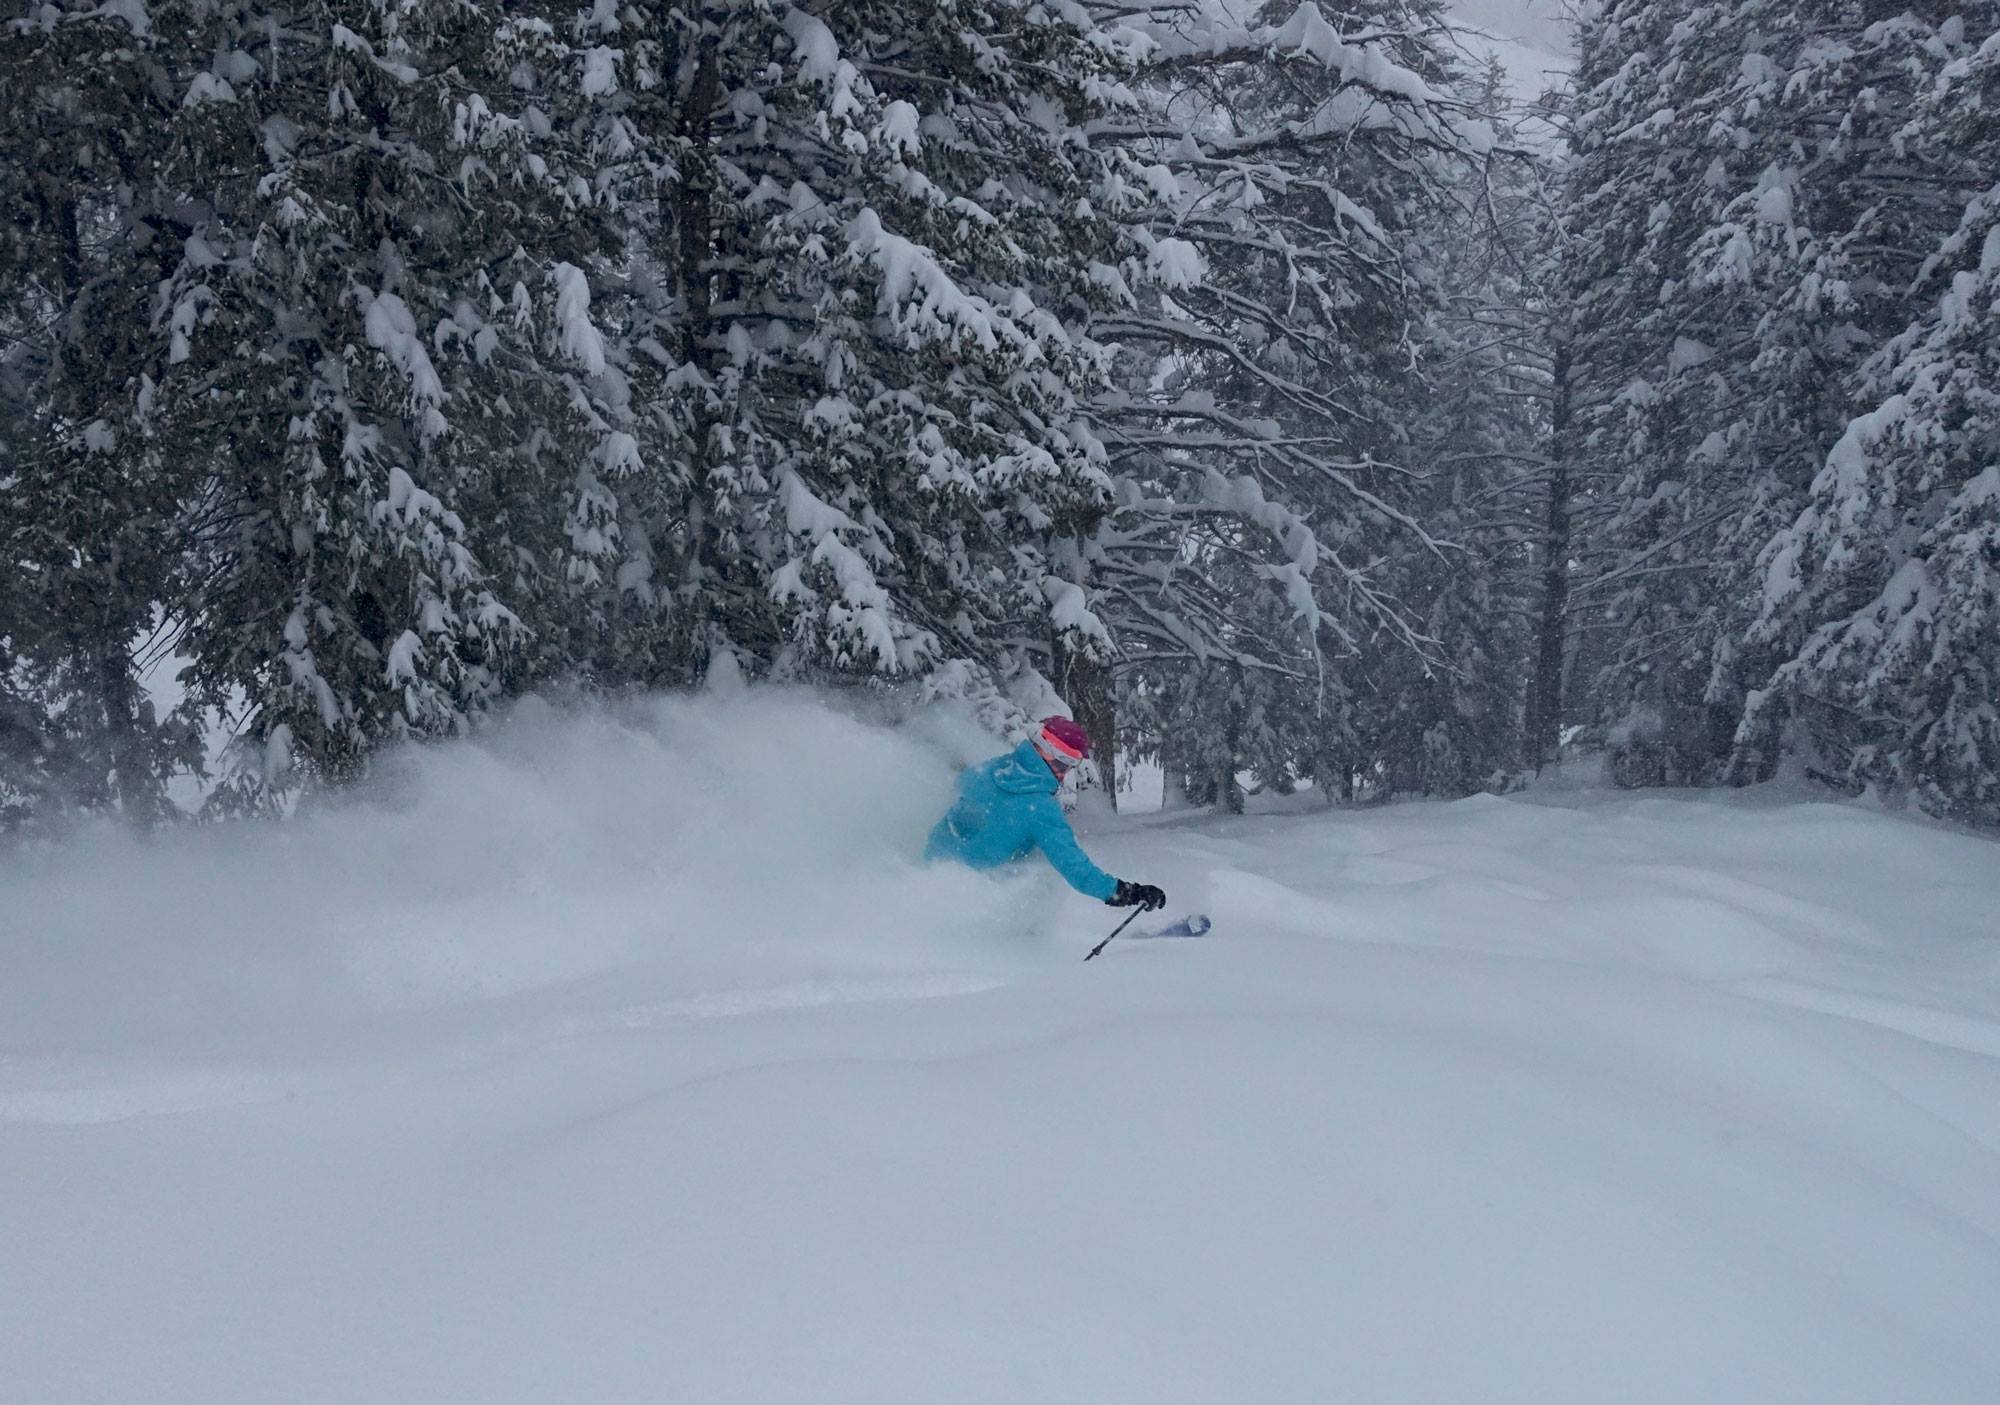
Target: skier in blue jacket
1008, 806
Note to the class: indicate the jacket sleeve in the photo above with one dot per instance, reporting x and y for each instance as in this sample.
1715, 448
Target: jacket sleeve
1057, 841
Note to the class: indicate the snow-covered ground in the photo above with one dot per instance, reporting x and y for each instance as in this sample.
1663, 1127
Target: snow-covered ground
637, 1060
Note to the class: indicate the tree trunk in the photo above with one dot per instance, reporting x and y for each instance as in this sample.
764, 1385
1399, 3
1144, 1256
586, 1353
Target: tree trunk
688, 208
1183, 783
1545, 690
1084, 680
1228, 790
130, 776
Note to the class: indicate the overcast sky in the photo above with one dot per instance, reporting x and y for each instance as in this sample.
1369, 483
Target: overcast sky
1530, 36
1536, 22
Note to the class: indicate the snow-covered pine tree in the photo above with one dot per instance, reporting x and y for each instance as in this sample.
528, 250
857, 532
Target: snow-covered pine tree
1525, 307
1882, 600
1654, 136
1277, 171
1735, 186
372, 342
863, 267
87, 526
359, 311
1480, 437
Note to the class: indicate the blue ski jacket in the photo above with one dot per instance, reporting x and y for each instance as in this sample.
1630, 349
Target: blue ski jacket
1008, 806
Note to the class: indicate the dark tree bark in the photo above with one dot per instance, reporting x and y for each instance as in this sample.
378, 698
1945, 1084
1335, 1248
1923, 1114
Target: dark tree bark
1229, 795
1085, 682
1545, 691
688, 208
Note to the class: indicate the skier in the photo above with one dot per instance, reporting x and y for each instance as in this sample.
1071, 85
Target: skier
1008, 806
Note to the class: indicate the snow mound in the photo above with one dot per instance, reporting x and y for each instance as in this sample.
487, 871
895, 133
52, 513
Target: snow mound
712, 843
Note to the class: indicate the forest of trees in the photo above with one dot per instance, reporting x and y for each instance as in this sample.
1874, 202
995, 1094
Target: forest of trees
1256, 374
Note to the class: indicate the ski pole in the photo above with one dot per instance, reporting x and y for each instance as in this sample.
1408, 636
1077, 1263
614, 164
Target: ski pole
1121, 927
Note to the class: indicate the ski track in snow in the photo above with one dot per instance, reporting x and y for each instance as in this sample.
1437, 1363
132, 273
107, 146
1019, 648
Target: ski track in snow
583, 1070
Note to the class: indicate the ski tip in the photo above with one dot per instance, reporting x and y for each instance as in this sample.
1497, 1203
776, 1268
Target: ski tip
1198, 923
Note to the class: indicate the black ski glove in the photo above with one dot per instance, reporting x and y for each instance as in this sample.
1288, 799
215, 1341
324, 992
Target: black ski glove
1143, 895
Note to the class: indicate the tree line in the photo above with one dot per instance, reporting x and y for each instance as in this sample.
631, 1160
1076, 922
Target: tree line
1260, 376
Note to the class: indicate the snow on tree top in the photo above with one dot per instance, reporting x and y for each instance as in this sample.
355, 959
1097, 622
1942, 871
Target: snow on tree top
580, 338
815, 48
600, 71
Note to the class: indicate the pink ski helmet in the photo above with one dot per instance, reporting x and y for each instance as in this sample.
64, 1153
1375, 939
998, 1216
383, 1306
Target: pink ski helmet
1062, 743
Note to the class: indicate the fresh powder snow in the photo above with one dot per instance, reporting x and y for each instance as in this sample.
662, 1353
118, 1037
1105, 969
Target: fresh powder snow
632, 1055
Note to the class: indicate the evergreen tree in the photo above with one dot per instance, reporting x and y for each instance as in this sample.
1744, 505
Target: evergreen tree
1740, 192
1882, 600
375, 344
865, 263
1480, 435
1258, 429
88, 534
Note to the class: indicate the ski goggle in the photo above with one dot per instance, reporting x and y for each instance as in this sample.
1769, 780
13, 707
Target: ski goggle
1055, 753
1059, 762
